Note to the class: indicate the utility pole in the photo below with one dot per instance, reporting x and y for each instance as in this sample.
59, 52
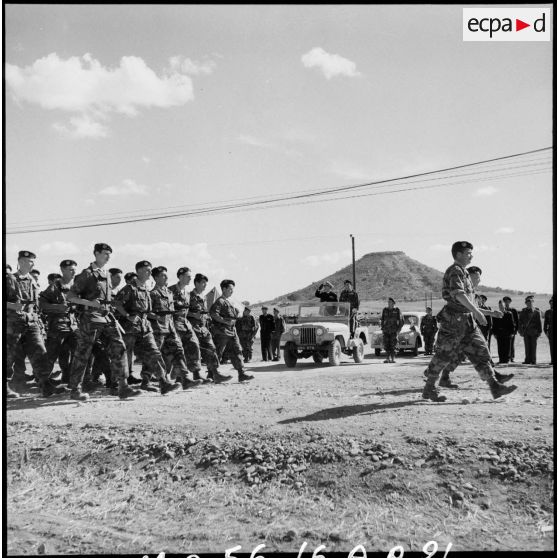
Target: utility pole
354, 270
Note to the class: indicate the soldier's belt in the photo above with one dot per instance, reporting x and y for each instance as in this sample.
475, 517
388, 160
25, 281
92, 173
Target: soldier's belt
163, 312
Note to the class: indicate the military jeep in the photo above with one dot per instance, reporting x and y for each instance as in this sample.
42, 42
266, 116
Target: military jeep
322, 330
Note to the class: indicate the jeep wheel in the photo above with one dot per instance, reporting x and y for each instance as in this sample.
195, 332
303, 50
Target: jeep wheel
415, 350
318, 358
358, 351
377, 352
334, 353
289, 354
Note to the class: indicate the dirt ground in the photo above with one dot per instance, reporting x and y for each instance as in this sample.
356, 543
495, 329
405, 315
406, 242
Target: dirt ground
338, 456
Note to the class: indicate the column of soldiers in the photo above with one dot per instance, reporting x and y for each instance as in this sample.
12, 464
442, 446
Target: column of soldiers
93, 329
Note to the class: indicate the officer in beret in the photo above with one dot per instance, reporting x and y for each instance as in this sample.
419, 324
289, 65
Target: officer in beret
391, 323
51, 278
35, 273
267, 325
549, 330
92, 290
428, 329
198, 317
246, 327
133, 304
115, 279
458, 331
61, 341
22, 325
224, 315
182, 325
130, 277
164, 332
530, 328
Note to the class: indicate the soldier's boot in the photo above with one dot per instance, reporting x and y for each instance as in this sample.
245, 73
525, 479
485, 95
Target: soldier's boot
125, 391
446, 382
219, 378
197, 376
89, 385
243, 377
432, 393
187, 383
10, 393
392, 357
502, 378
47, 387
166, 387
132, 380
499, 390
78, 395
146, 387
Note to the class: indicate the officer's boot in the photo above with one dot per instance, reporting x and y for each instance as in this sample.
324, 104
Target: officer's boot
446, 382
502, 378
498, 390
219, 378
243, 377
431, 392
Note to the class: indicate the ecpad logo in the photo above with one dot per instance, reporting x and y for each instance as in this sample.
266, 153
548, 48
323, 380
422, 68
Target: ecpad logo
506, 24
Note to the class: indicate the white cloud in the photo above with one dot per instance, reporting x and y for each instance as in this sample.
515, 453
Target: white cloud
327, 258
486, 191
59, 247
188, 66
484, 248
505, 230
83, 85
330, 64
128, 187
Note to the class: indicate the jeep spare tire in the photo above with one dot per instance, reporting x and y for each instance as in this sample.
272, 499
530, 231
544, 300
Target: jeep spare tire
334, 353
289, 354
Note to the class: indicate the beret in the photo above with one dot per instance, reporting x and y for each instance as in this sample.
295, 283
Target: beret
264, 307
474, 269
200, 277
26, 254
158, 270
99, 247
507, 298
114, 270
53, 276
35, 271
530, 297
182, 271
67, 263
391, 300
143, 263
227, 283
428, 308
461, 245
130, 275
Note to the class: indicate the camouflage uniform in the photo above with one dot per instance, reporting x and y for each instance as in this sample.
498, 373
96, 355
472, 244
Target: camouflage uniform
185, 331
22, 328
428, 329
392, 322
61, 339
96, 323
246, 329
207, 347
458, 329
138, 334
225, 336
164, 332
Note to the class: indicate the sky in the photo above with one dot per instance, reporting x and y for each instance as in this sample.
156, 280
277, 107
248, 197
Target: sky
133, 108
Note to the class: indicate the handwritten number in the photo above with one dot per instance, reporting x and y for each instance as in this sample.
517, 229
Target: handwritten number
400, 551
433, 545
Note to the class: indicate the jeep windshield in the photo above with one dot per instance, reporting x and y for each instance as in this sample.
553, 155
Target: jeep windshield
328, 310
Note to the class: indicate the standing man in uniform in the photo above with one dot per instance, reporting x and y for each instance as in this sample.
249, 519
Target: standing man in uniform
266, 329
549, 330
348, 294
530, 328
391, 324
278, 330
458, 330
22, 325
62, 328
133, 304
183, 327
91, 289
224, 315
515, 316
197, 315
325, 293
246, 328
428, 329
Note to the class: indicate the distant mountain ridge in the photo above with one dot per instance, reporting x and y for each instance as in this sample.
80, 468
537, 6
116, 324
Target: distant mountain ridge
380, 275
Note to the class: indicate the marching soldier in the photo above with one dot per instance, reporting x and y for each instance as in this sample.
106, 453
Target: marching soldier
246, 327
458, 330
91, 289
391, 324
133, 304
197, 315
224, 315
22, 325
183, 327
162, 322
428, 329
62, 328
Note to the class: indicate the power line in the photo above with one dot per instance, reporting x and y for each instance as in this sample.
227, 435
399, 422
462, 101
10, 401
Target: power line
305, 197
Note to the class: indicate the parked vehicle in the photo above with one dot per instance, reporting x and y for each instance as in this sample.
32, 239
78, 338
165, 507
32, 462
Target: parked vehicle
409, 338
322, 330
